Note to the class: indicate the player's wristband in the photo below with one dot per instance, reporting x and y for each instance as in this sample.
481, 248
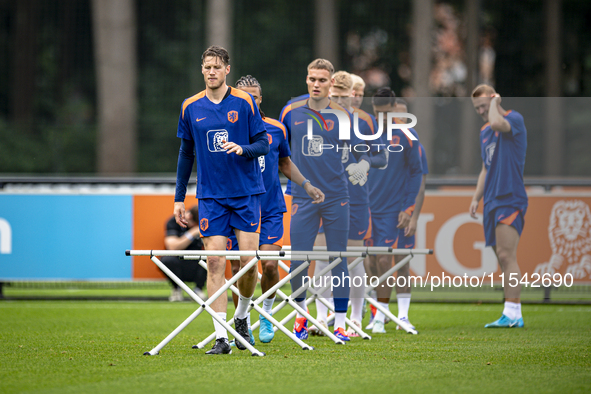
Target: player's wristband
189, 236
304, 182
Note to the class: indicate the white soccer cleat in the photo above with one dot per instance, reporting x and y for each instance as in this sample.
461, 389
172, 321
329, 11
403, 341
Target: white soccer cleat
405, 320
314, 331
351, 332
378, 328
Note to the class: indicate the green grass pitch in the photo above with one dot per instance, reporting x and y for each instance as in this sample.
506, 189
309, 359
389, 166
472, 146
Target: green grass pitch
96, 347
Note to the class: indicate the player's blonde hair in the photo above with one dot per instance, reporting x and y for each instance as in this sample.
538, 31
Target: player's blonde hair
321, 64
343, 80
358, 82
483, 90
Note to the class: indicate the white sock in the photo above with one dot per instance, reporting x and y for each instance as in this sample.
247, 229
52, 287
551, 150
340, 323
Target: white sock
357, 292
248, 319
268, 305
511, 310
403, 304
302, 305
242, 308
356, 309
321, 311
339, 320
379, 315
519, 315
220, 331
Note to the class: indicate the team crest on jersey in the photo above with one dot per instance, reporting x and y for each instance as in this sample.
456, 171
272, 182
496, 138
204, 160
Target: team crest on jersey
233, 116
262, 163
204, 224
229, 244
313, 146
490, 151
345, 155
294, 209
329, 124
270, 137
216, 139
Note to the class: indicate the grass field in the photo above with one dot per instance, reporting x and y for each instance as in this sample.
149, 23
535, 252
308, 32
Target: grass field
91, 346
153, 291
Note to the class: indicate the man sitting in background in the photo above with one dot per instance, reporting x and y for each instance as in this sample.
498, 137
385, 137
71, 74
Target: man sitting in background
178, 238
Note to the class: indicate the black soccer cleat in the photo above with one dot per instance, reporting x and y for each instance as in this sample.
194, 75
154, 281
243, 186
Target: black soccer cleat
221, 346
241, 326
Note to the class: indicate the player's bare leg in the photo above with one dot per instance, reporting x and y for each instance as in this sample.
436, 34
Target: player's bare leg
371, 270
357, 295
321, 309
216, 267
383, 291
246, 285
506, 250
403, 292
235, 264
269, 279
507, 239
270, 275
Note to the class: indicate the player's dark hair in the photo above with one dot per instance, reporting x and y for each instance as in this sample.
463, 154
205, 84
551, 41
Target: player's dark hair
217, 51
248, 82
384, 96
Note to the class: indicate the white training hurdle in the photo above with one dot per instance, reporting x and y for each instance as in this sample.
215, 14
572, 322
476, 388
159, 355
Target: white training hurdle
317, 254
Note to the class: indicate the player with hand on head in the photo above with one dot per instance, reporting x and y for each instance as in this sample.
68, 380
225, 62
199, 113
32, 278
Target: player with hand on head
503, 141
222, 128
393, 190
272, 202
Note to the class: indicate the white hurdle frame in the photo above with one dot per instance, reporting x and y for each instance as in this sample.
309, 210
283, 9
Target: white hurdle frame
316, 296
204, 305
306, 256
381, 250
309, 300
255, 306
386, 311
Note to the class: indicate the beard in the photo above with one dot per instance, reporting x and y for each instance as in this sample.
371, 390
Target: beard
214, 85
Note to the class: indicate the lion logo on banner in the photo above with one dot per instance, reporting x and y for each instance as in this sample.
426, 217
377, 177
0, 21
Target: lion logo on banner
570, 239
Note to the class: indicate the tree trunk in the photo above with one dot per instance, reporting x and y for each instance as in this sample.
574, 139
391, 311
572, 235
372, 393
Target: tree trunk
114, 28
421, 46
326, 43
469, 144
555, 136
218, 25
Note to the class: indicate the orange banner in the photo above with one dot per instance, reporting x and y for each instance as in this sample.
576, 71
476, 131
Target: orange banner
556, 237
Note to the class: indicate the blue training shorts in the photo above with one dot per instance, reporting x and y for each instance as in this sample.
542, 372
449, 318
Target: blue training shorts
359, 222
221, 216
512, 216
271, 232
383, 230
